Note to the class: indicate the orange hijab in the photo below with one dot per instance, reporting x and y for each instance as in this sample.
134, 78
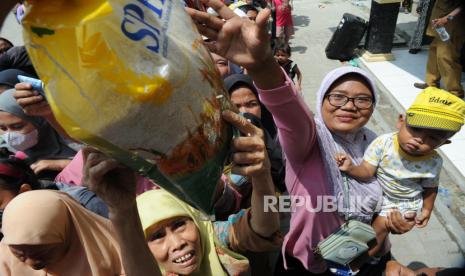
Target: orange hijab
47, 217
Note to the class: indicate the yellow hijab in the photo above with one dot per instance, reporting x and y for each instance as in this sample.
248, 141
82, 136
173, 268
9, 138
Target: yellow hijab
47, 217
158, 205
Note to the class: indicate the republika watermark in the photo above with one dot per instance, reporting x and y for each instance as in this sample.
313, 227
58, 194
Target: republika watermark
323, 203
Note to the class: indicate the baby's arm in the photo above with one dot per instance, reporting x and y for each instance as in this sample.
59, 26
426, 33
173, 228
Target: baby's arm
429, 195
364, 172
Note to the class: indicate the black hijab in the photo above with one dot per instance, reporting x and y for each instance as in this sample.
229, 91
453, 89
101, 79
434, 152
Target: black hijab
266, 123
9, 77
233, 81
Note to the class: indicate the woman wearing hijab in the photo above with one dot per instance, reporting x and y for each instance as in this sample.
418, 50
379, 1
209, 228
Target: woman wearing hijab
49, 233
204, 239
34, 136
346, 102
178, 236
244, 96
17, 177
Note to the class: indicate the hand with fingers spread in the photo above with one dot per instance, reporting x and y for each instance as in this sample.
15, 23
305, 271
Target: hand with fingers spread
250, 159
240, 40
244, 42
110, 180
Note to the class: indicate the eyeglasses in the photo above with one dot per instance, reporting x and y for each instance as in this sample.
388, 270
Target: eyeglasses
339, 100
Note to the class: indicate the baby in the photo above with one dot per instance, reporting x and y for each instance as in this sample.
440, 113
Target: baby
405, 162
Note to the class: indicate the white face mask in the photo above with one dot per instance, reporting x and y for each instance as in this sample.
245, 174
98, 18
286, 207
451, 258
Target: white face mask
20, 141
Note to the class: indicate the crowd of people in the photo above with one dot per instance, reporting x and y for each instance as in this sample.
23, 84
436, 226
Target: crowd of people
67, 209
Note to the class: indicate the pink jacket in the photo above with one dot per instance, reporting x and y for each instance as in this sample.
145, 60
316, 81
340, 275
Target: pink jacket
305, 174
72, 174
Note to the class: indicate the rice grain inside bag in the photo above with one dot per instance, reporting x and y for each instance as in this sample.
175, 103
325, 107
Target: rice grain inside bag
134, 79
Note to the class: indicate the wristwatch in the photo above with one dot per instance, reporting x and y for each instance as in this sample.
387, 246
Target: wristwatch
450, 17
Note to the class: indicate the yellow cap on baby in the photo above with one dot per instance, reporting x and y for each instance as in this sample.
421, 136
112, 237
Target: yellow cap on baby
435, 108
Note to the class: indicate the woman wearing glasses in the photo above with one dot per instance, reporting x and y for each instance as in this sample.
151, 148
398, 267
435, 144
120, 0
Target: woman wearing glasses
345, 102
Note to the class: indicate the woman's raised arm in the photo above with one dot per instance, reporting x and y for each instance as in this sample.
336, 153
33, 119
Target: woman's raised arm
246, 43
116, 186
250, 159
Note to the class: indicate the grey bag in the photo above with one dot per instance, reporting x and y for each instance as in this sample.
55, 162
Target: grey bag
349, 241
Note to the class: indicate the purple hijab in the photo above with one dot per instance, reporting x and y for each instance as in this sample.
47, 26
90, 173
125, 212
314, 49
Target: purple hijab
364, 198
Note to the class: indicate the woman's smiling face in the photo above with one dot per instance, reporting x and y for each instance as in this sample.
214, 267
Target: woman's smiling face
175, 244
347, 118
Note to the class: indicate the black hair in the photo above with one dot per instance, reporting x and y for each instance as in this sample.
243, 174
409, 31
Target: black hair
7, 41
27, 175
283, 47
246, 8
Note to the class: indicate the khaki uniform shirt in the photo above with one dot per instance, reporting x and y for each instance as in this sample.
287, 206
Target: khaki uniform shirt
443, 8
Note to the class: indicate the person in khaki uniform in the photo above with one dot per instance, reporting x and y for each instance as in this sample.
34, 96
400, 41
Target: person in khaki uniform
444, 56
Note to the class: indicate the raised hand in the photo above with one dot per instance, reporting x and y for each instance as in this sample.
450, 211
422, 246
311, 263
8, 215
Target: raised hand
31, 101
240, 40
250, 156
250, 159
110, 180
34, 104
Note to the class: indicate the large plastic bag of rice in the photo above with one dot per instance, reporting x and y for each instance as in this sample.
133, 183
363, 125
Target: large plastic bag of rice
134, 79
